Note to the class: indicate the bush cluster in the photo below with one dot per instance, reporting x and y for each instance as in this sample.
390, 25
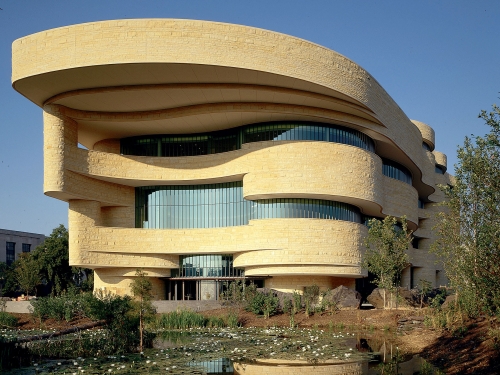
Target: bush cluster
115, 310
7, 320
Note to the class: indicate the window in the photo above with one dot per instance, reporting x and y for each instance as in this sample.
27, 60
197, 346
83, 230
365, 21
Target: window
11, 252
439, 169
415, 242
173, 145
395, 170
26, 247
223, 205
421, 203
210, 266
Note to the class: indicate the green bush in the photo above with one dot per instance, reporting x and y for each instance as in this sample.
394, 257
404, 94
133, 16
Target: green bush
7, 320
66, 306
115, 310
232, 320
311, 294
263, 303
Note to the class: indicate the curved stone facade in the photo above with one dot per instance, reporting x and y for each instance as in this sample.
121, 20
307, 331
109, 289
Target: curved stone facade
101, 82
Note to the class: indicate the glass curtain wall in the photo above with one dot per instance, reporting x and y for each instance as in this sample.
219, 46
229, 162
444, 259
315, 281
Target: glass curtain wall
223, 205
206, 266
395, 170
232, 139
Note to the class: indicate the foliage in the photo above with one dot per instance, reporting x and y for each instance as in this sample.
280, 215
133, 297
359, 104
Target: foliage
117, 311
265, 303
182, 319
386, 255
291, 306
311, 295
469, 227
7, 320
8, 279
424, 287
26, 273
52, 258
239, 294
66, 306
142, 290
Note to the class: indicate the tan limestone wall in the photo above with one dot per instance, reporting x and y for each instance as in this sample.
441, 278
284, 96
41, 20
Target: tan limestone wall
111, 146
60, 136
441, 159
98, 184
166, 41
106, 281
427, 132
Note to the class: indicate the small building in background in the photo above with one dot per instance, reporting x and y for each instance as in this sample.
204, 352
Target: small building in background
13, 243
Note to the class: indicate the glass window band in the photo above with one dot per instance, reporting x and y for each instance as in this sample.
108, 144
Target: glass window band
223, 205
232, 139
395, 170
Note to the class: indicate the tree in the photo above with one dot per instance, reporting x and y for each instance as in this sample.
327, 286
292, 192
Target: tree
469, 228
8, 282
386, 255
26, 273
141, 289
52, 257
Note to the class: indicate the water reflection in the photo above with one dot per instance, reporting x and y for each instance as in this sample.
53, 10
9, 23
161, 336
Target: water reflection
415, 365
260, 352
218, 366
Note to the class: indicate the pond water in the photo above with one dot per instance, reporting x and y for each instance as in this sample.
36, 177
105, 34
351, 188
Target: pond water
250, 351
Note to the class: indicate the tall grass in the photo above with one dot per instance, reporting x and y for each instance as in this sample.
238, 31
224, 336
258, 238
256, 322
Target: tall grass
185, 319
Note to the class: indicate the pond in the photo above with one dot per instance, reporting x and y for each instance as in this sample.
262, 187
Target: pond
249, 351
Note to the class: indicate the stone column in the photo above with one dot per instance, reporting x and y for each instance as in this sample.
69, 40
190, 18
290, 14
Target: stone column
60, 135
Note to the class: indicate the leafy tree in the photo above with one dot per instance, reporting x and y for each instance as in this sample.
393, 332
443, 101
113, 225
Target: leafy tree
386, 257
141, 289
26, 273
52, 258
8, 282
424, 287
469, 227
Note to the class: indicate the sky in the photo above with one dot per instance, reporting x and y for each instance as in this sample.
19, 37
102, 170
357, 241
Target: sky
439, 60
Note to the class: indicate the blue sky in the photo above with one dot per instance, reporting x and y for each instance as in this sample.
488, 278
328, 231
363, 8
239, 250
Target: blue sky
439, 60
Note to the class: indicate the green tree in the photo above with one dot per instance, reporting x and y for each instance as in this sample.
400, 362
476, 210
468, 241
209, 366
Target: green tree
26, 273
469, 227
8, 282
142, 290
386, 255
52, 257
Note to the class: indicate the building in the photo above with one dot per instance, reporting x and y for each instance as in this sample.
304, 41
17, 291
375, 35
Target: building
13, 243
205, 152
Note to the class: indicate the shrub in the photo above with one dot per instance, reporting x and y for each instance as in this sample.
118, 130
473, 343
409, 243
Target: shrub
311, 294
7, 320
232, 320
67, 306
264, 303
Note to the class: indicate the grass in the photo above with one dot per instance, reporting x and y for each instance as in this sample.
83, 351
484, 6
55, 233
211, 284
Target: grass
186, 319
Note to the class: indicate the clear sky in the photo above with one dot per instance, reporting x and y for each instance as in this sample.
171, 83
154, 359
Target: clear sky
439, 60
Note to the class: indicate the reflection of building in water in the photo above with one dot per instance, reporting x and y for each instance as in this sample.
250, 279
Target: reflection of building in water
217, 366
281, 367
203, 152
